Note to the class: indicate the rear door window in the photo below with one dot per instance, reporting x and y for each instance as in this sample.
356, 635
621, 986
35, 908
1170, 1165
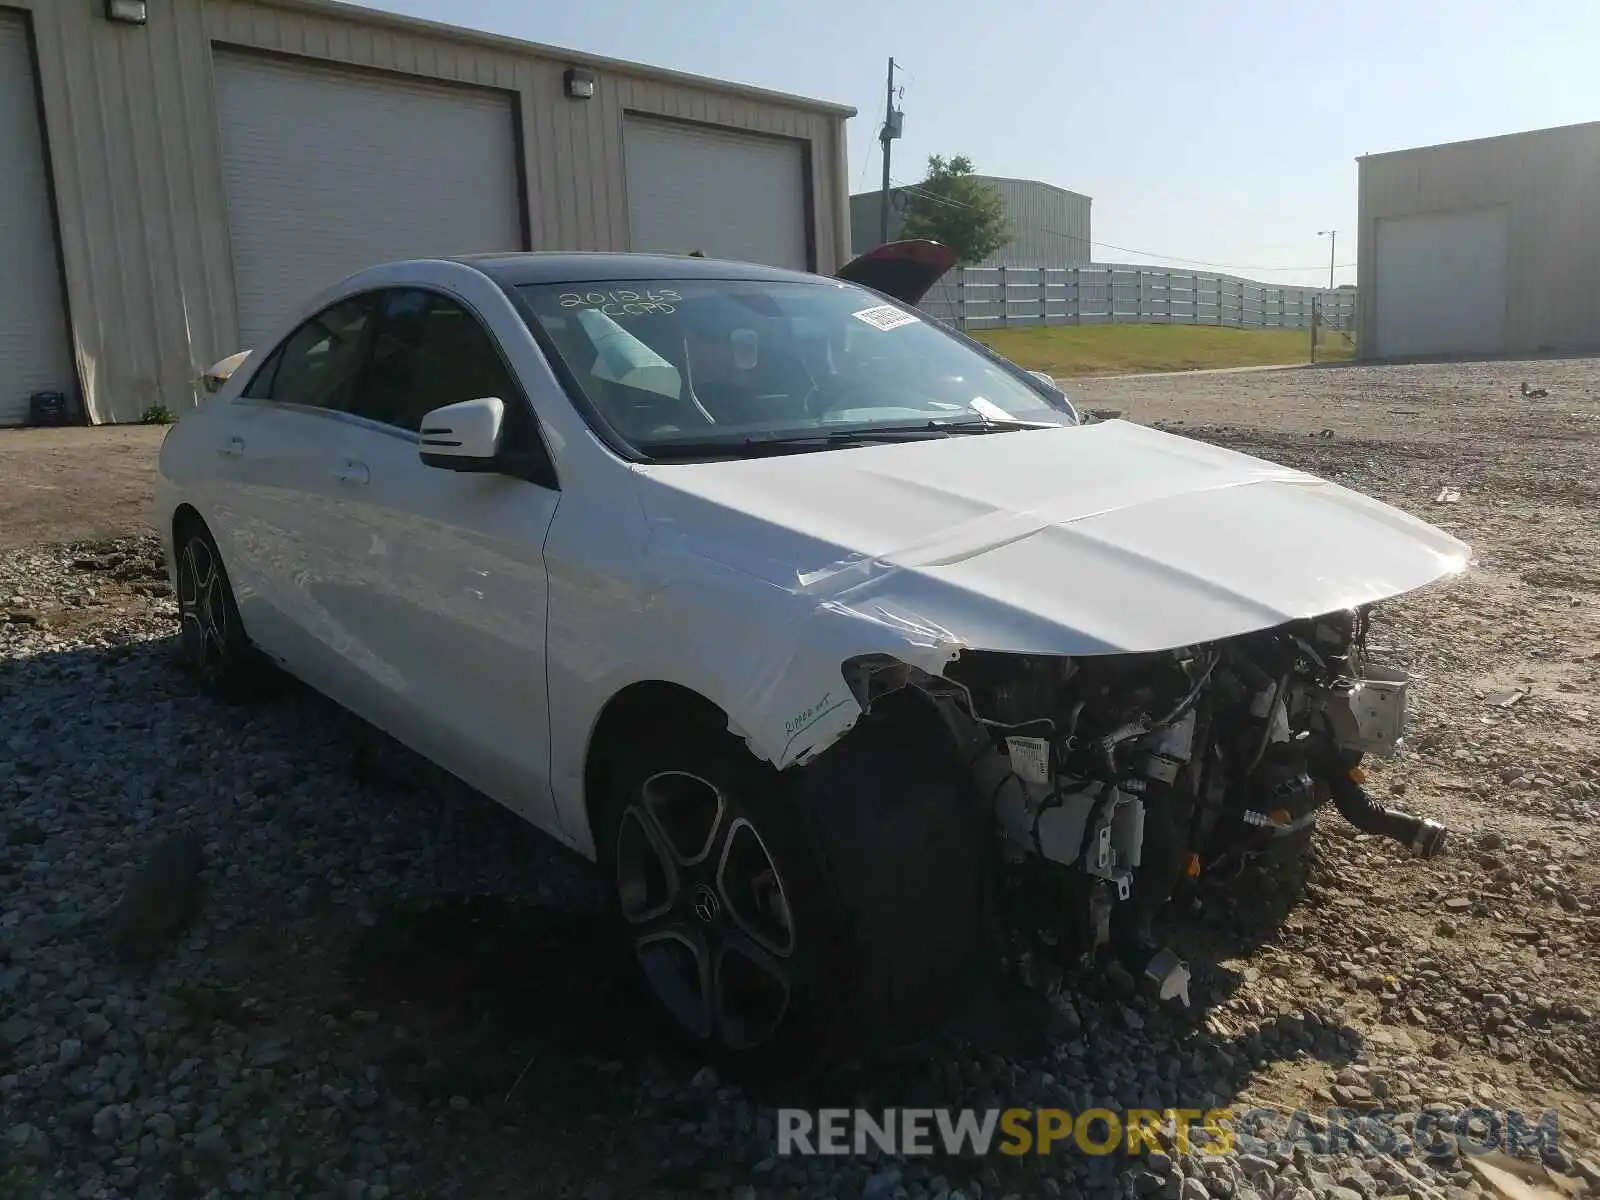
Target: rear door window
319, 364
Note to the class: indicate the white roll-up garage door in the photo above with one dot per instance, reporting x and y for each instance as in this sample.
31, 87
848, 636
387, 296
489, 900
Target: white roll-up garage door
35, 355
1441, 286
725, 193
329, 171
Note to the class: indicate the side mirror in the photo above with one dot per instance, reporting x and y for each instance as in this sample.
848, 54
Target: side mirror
464, 436
1046, 379
219, 374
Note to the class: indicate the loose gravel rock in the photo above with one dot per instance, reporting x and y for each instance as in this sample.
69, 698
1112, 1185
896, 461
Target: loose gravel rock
370, 982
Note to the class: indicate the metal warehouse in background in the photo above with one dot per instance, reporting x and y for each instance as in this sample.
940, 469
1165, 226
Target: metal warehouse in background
1049, 225
1490, 246
181, 172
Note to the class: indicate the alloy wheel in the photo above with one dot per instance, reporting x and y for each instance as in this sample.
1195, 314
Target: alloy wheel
707, 910
203, 607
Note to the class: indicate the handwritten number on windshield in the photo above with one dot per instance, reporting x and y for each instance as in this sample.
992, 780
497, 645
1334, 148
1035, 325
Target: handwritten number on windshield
624, 301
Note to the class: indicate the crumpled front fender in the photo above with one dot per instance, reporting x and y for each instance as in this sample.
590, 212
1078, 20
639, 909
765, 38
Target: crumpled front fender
772, 657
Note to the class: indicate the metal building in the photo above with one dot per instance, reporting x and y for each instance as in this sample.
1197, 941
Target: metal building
1049, 225
1489, 246
179, 173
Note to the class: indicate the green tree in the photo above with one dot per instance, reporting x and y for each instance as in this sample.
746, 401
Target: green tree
956, 208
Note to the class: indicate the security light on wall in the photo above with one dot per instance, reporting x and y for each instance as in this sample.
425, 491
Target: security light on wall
580, 83
130, 12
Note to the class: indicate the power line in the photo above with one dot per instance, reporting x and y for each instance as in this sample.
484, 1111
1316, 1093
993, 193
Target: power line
935, 198
1200, 262
866, 161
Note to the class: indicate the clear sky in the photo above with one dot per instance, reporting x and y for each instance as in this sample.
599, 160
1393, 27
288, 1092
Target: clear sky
1225, 131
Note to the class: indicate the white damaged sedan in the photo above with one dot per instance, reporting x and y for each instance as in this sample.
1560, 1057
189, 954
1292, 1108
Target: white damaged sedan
824, 630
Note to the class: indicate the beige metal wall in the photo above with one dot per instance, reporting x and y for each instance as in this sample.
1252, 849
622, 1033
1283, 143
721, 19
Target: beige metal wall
1550, 181
132, 128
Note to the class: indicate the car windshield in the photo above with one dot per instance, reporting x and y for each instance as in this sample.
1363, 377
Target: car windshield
682, 368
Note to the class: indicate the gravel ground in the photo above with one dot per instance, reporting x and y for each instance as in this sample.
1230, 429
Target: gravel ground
265, 952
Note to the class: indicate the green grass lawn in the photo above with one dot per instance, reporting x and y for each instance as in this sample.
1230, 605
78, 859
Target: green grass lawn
1068, 350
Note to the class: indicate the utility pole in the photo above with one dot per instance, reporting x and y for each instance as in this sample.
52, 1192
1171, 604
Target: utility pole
891, 130
1333, 240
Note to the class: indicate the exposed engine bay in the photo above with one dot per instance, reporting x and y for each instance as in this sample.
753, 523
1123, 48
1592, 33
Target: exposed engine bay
1113, 777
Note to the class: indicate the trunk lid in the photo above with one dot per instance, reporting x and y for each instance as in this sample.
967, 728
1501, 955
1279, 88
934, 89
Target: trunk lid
903, 270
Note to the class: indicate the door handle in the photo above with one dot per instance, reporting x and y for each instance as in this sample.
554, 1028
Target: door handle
351, 471
232, 448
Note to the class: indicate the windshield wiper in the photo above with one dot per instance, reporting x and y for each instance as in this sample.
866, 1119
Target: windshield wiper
906, 433
796, 443
989, 425
799, 443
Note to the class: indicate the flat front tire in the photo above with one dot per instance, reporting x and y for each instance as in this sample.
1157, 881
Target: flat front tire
707, 908
775, 918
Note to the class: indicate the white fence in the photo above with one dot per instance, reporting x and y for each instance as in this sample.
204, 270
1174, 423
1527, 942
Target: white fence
997, 297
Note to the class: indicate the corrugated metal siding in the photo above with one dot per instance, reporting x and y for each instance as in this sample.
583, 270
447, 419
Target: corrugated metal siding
576, 174
1049, 225
34, 356
728, 195
1550, 182
864, 226
132, 124
329, 171
143, 235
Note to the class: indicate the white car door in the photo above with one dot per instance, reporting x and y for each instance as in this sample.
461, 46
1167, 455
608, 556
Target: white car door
442, 572
277, 473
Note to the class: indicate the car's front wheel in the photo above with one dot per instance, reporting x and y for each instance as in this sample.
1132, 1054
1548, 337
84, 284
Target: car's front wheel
774, 916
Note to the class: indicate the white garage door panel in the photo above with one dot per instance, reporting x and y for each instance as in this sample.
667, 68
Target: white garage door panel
1442, 283
727, 194
328, 172
35, 355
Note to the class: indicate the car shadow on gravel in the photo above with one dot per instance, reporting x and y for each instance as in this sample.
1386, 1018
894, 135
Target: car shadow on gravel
508, 1004
533, 1001
511, 988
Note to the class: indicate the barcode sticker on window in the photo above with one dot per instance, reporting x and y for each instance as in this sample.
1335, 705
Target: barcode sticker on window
885, 316
1030, 758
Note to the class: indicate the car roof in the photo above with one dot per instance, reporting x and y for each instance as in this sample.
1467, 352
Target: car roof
550, 266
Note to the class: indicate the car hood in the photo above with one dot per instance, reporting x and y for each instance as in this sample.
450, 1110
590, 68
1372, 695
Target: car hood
1106, 538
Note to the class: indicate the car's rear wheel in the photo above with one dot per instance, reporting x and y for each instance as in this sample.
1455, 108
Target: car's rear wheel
212, 641
775, 918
